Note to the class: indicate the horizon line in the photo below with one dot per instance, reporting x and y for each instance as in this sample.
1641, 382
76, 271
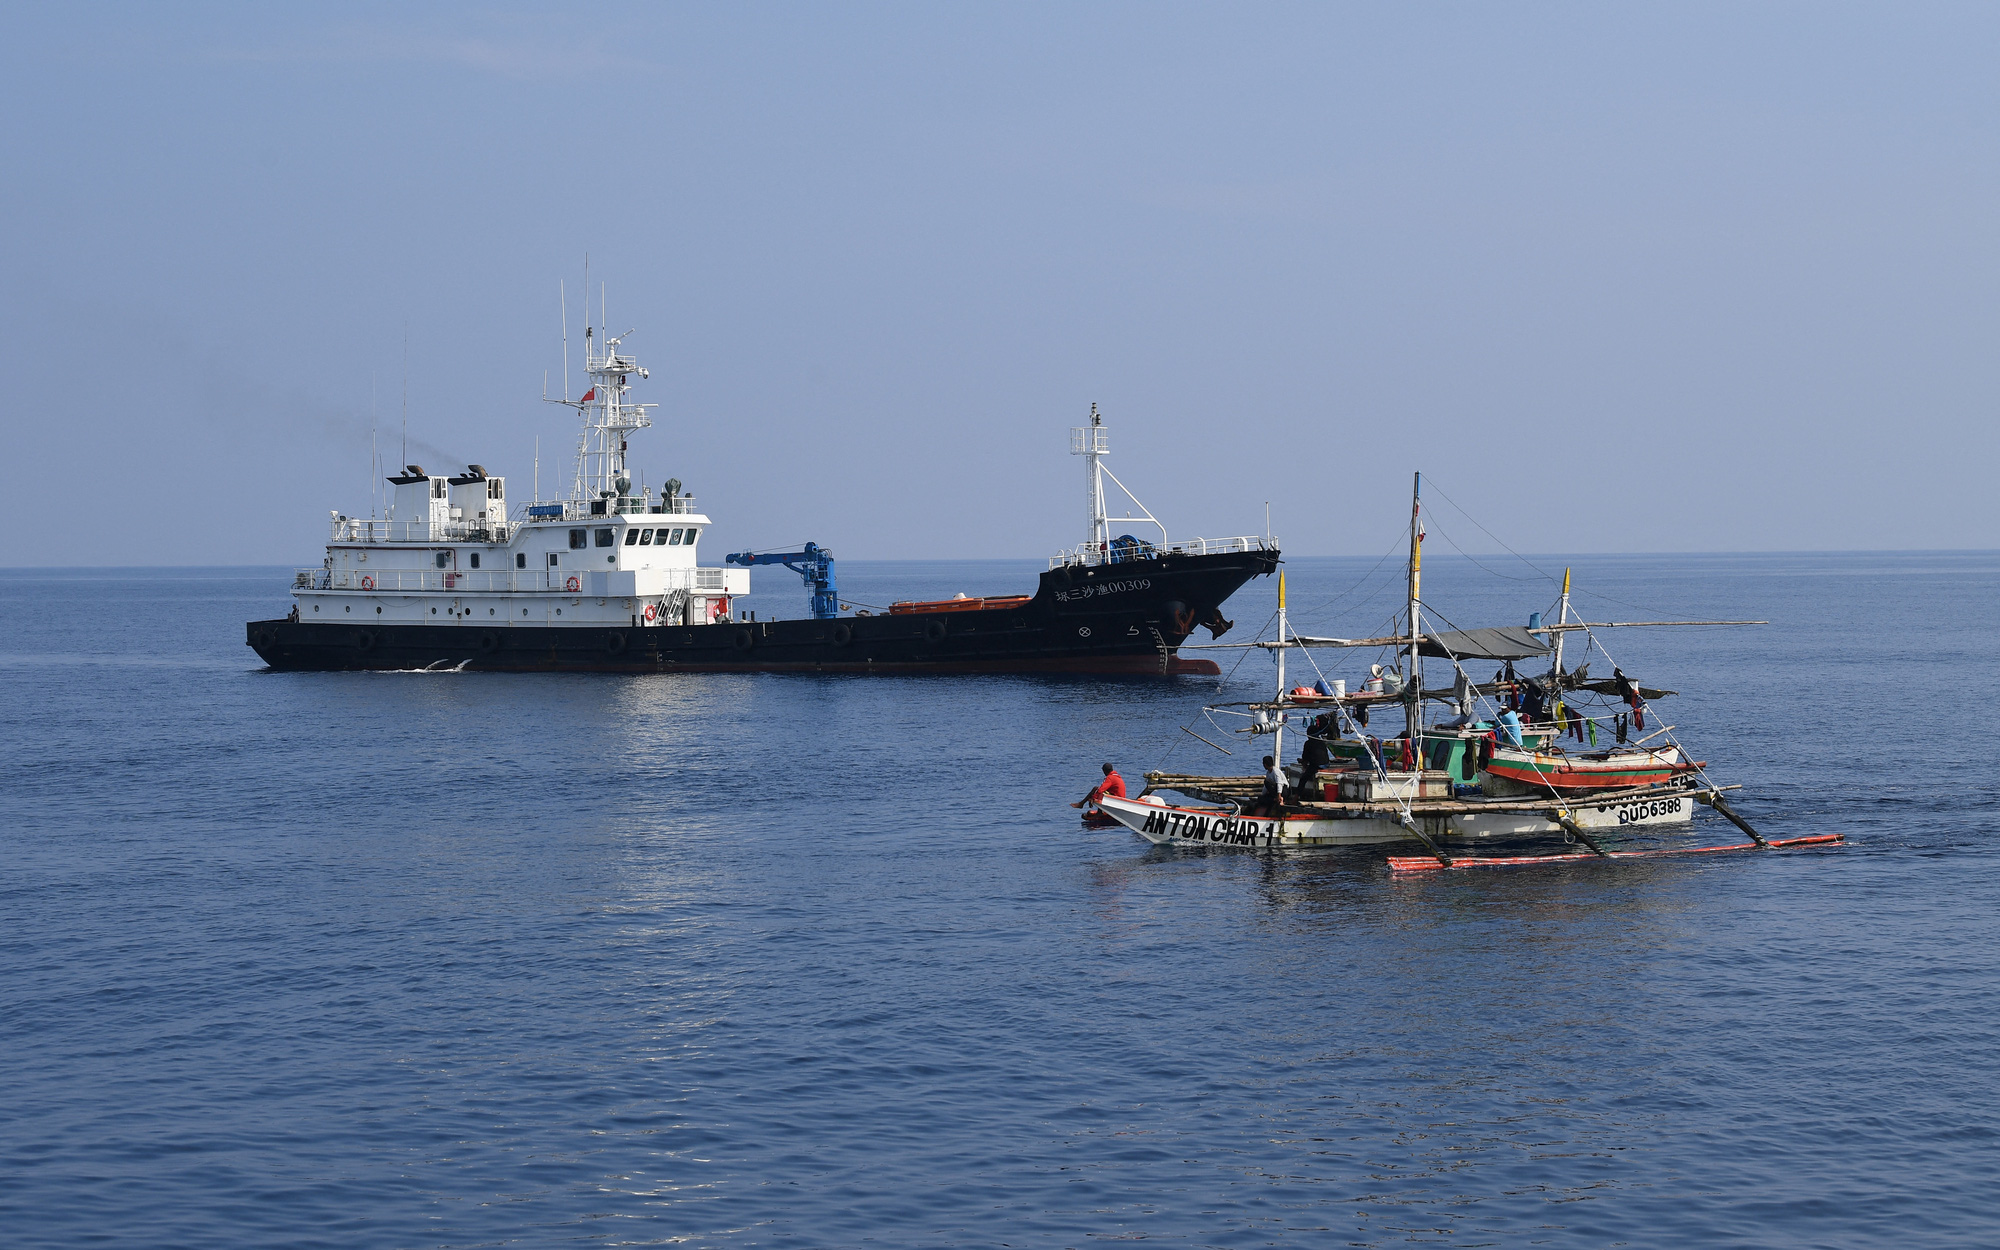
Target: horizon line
1552, 556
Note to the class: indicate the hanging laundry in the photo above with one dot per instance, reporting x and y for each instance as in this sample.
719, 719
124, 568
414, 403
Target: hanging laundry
1618, 726
1592, 725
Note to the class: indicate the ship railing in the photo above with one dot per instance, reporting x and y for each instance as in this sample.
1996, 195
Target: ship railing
359, 530
348, 529
497, 581
588, 509
1116, 552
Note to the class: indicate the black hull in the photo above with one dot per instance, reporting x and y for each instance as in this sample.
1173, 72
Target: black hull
1114, 618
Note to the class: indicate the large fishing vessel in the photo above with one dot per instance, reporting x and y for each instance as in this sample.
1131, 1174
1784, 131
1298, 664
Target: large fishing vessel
609, 579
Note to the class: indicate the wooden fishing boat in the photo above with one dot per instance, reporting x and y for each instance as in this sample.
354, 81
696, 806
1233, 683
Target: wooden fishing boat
1513, 771
1446, 785
1455, 822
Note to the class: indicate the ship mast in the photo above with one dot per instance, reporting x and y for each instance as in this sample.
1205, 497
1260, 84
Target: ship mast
608, 417
1090, 442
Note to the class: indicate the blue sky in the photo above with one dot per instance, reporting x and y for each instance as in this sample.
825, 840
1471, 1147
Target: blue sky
1618, 278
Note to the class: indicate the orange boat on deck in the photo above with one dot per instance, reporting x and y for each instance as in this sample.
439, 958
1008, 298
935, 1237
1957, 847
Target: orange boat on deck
1518, 771
960, 604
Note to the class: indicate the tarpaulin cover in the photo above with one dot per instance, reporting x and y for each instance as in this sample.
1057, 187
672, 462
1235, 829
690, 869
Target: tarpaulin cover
1508, 642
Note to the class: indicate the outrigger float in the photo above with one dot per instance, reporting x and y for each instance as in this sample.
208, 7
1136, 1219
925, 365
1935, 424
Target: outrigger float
1469, 780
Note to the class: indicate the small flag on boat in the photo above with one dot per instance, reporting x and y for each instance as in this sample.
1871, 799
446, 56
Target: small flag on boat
588, 396
1281, 589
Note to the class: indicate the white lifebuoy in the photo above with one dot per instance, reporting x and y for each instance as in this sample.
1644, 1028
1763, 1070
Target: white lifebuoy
572, 584
652, 611
367, 583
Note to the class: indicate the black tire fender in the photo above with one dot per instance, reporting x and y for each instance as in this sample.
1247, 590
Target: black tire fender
364, 639
489, 642
743, 640
934, 631
843, 634
614, 642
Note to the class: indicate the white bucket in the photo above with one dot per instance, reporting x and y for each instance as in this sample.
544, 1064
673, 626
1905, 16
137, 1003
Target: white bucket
1339, 687
1372, 686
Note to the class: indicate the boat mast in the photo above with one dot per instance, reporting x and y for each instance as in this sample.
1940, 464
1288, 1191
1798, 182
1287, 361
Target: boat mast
1562, 618
1413, 682
1278, 733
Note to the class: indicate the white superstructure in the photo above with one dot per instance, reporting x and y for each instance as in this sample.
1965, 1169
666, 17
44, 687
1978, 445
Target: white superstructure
452, 552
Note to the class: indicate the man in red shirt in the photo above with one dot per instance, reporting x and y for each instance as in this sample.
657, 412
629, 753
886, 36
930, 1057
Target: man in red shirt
1112, 786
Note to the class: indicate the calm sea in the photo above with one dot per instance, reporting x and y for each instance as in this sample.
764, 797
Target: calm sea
469, 960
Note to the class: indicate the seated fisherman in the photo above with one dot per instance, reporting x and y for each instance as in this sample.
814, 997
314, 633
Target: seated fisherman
1508, 727
1113, 786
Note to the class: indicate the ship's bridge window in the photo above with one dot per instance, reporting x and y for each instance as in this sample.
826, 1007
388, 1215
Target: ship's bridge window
520, 559
444, 559
631, 537
692, 531
578, 540
645, 538
604, 538
673, 539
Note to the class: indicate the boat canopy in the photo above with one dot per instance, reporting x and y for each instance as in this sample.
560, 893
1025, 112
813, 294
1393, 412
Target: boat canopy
1506, 642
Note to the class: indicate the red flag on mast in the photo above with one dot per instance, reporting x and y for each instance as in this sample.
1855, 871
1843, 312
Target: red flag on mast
588, 396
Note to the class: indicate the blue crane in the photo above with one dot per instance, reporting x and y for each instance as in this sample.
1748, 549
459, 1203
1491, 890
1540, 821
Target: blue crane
815, 564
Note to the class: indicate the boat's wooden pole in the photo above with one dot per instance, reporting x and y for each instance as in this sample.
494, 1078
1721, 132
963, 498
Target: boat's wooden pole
1192, 734
1419, 835
1564, 819
1715, 801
